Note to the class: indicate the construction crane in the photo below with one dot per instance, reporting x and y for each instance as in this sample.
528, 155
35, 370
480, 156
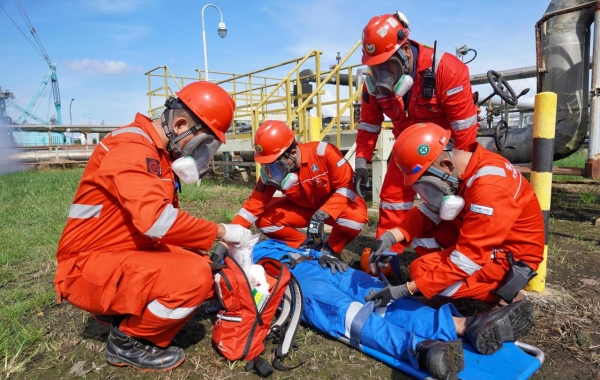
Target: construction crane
50, 77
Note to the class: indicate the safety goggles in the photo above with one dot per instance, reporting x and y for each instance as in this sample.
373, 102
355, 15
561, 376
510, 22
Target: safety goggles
202, 149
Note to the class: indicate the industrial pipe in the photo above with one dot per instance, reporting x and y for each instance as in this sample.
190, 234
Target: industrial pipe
565, 49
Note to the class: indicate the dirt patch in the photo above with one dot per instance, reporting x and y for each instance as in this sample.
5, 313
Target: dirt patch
567, 317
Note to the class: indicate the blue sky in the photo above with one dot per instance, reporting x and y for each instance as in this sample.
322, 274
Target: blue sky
104, 47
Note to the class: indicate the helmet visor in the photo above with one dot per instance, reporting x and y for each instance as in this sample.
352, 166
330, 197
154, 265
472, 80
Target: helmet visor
202, 148
386, 75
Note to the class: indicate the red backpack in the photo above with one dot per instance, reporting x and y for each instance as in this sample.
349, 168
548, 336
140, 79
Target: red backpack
241, 330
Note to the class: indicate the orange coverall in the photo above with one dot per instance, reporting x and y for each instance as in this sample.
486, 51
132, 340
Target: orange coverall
457, 258
451, 107
120, 251
324, 182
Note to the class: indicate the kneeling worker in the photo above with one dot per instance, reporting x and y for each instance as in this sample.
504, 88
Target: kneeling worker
479, 233
317, 182
125, 254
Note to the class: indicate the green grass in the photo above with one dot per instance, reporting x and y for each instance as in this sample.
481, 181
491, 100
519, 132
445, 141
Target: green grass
34, 207
576, 160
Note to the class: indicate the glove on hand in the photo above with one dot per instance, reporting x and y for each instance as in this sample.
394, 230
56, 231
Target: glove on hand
361, 174
236, 235
316, 226
387, 295
333, 262
219, 253
382, 244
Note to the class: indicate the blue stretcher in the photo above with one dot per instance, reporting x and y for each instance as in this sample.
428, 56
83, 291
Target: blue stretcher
513, 361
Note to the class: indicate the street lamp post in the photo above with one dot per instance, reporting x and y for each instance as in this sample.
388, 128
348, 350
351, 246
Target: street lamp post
70, 115
222, 33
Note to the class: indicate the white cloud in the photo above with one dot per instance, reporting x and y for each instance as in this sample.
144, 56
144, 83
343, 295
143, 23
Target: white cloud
95, 66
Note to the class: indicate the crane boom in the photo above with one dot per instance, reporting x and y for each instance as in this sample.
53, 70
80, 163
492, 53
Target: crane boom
51, 76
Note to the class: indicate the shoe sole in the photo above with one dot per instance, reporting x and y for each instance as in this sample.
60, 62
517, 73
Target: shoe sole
119, 362
516, 323
453, 363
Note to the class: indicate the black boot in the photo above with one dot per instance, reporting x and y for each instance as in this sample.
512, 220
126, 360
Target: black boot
487, 331
443, 360
122, 350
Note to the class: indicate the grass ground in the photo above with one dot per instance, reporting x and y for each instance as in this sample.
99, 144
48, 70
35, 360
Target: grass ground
40, 339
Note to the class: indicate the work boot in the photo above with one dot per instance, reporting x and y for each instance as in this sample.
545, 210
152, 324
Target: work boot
122, 350
443, 360
488, 330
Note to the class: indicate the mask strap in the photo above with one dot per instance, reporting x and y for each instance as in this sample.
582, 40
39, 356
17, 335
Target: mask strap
442, 175
166, 120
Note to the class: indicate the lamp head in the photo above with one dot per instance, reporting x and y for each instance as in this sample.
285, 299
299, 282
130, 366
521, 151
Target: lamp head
222, 30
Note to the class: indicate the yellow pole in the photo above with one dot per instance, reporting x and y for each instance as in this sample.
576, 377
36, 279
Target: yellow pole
544, 122
314, 128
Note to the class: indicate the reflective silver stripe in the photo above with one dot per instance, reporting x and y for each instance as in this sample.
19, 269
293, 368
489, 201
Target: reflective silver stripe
459, 125
350, 224
104, 146
396, 206
347, 193
266, 230
369, 127
449, 291
351, 312
229, 318
486, 170
438, 58
463, 262
132, 130
163, 223
247, 215
321, 148
162, 311
435, 218
429, 243
84, 211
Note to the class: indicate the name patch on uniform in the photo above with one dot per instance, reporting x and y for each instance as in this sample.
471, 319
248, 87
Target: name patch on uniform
482, 209
341, 162
454, 90
153, 166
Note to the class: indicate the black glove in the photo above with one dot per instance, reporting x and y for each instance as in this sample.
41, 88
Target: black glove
361, 175
316, 226
219, 253
382, 244
387, 294
333, 262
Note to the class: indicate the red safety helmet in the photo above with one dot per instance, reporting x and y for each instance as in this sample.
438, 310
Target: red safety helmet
211, 103
382, 37
272, 138
417, 147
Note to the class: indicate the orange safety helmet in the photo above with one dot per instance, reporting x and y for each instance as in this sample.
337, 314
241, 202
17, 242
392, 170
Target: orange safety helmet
272, 138
211, 103
382, 37
417, 147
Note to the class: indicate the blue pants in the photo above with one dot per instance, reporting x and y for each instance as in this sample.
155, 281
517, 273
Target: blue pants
334, 304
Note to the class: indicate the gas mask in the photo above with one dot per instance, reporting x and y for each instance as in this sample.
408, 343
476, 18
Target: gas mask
389, 78
195, 158
279, 174
438, 195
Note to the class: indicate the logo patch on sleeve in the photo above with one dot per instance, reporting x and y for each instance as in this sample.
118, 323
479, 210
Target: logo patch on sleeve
153, 166
341, 162
454, 90
260, 186
482, 209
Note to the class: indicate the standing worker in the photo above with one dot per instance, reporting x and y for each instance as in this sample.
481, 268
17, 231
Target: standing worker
128, 254
408, 82
479, 233
317, 183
